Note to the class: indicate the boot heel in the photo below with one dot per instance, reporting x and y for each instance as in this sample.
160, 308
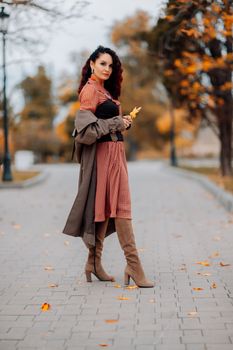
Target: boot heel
88, 276
127, 279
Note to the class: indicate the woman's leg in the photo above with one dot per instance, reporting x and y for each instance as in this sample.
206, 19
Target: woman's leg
127, 241
93, 264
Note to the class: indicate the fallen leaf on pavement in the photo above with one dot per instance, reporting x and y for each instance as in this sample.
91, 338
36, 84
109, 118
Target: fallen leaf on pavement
131, 287
224, 264
203, 263
49, 268
213, 285
214, 255
152, 301
66, 242
183, 268
117, 286
204, 273
192, 313
111, 321
53, 285
122, 298
103, 345
197, 288
45, 307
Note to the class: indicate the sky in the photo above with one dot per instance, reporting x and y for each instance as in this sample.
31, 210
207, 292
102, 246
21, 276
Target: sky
87, 32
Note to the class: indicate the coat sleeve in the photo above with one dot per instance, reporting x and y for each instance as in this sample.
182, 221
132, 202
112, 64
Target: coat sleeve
95, 129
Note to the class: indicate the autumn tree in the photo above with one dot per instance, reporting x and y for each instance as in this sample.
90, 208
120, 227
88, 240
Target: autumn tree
140, 81
33, 21
194, 44
38, 101
35, 128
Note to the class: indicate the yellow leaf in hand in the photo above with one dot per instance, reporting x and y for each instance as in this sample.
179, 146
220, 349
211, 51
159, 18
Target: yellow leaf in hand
134, 112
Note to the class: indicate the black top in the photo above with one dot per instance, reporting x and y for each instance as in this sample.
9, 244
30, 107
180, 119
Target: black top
106, 110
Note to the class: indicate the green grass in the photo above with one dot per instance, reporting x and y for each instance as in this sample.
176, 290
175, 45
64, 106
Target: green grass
19, 176
213, 174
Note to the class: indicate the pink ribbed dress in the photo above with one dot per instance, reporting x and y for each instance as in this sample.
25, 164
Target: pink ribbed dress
112, 197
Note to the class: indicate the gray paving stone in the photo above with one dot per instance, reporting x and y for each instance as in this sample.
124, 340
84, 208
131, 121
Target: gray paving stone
175, 224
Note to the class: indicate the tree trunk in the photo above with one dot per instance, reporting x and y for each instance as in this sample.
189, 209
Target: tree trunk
225, 129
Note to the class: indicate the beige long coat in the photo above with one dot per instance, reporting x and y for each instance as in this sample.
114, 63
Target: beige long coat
80, 222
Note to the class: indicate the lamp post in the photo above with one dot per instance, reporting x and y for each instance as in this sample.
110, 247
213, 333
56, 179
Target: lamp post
173, 157
6, 159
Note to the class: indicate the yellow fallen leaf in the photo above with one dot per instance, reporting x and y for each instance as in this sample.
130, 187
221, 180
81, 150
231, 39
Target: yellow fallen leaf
45, 307
204, 273
131, 287
152, 301
213, 285
214, 254
117, 286
53, 285
203, 263
111, 321
103, 345
122, 298
197, 288
192, 313
49, 268
224, 264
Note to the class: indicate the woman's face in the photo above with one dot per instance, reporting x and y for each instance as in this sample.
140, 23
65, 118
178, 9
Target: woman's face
102, 67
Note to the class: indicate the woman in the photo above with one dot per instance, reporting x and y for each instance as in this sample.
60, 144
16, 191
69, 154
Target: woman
103, 205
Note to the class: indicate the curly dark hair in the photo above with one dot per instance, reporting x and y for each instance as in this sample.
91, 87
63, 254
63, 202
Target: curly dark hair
113, 84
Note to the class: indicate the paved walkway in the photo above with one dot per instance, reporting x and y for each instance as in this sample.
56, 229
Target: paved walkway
177, 223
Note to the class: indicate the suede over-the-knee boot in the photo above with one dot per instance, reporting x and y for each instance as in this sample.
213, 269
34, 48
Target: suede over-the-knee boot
93, 265
133, 268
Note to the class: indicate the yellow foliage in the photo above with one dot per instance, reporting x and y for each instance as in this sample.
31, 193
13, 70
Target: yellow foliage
216, 8
74, 107
60, 131
192, 32
180, 115
227, 86
184, 83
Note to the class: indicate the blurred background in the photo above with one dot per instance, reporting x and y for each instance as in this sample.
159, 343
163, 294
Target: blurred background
177, 58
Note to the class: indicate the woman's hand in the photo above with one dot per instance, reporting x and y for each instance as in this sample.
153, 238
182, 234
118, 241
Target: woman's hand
127, 120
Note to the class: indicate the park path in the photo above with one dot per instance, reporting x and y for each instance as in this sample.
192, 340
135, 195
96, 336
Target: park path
177, 224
